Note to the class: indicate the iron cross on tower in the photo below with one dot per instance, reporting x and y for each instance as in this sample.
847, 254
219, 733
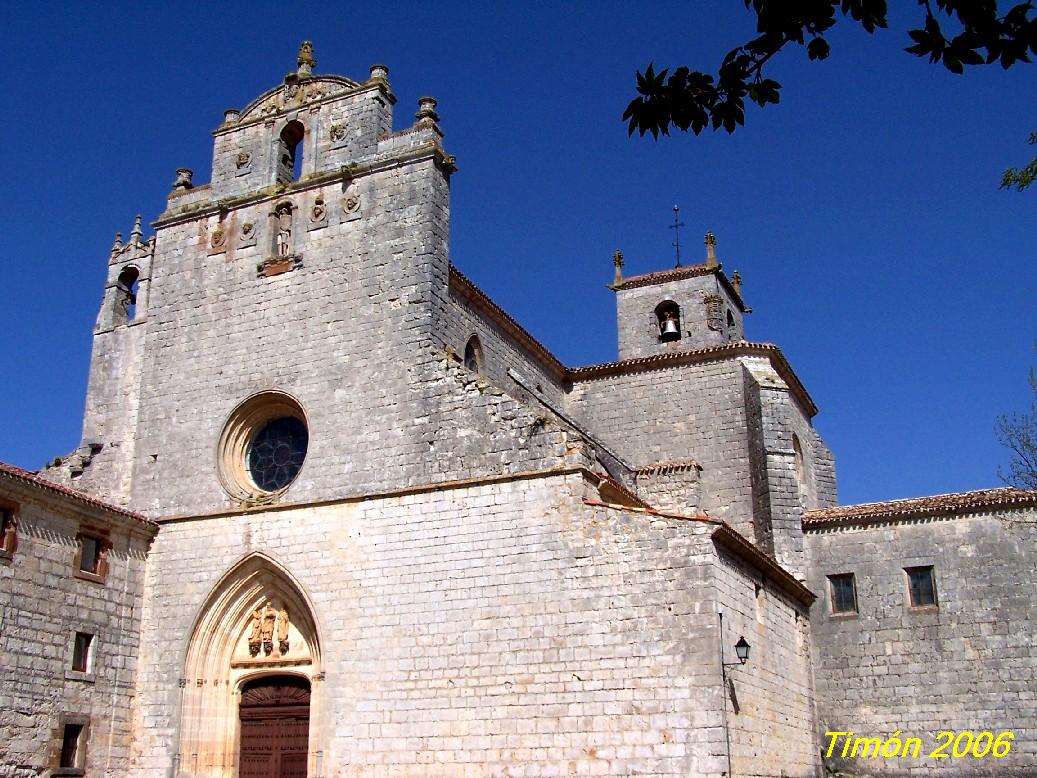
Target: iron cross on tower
676, 227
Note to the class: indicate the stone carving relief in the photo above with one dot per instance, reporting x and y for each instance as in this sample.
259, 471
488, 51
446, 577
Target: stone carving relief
351, 206
318, 214
248, 235
714, 317
337, 133
218, 239
291, 92
266, 622
243, 159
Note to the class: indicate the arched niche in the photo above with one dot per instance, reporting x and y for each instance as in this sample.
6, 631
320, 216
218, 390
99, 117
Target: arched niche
257, 621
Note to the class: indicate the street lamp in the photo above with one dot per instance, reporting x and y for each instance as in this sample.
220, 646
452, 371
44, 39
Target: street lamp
742, 650
742, 654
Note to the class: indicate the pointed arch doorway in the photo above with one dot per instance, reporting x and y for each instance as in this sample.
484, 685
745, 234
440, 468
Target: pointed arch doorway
275, 724
253, 662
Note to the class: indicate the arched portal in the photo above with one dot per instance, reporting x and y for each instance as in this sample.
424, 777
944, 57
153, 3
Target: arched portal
275, 725
254, 634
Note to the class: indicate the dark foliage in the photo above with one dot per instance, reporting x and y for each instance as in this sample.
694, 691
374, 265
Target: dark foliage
690, 100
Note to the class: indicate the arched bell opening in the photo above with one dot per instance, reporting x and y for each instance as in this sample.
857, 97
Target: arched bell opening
668, 315
289, 152
126, 288
256, 623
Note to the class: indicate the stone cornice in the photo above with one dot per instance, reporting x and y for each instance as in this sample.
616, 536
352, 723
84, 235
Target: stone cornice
733, 542
429, 150
734, 350
482, 302
678, 273
570, 375
940, 506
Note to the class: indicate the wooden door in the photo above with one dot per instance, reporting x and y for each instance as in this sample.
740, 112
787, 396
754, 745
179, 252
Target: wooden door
275, 728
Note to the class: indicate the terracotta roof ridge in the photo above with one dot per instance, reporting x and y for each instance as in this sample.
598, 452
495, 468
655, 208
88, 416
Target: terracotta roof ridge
933, 505
673, 272
27, 476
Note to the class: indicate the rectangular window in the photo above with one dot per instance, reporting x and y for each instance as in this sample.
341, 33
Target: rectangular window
82, 652
70, 745
8, 529
844, 593
921, 586
90, 557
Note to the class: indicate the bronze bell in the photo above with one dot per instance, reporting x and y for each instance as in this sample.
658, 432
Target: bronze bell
670, 330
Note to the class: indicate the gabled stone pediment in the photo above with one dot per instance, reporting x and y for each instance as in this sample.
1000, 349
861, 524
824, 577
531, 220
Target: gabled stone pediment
294, 94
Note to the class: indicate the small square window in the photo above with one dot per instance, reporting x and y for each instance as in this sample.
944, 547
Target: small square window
82, 652
90, 558
70, 745
844, 593
91, 562
921, 586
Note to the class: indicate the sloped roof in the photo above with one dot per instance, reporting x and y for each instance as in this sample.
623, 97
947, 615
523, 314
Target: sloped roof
27, 477
954, 504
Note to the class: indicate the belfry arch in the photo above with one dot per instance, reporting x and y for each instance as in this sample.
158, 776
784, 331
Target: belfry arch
256, 623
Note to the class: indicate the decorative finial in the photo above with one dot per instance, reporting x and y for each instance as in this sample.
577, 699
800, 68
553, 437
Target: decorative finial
117, 245
305, 60
676, 227
136, 233
379, 72
427, 109
711, 250
617, 260
736, 282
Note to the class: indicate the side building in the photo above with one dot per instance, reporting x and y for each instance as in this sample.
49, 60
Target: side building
925, 624
71, 596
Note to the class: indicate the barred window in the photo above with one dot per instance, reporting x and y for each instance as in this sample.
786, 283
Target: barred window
844, 593
921, 586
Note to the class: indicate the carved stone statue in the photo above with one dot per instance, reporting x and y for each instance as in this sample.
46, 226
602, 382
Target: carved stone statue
284, 233
255, 634
267, 627
282, 631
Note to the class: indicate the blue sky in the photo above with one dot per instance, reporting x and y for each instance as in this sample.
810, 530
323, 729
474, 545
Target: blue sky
863, 212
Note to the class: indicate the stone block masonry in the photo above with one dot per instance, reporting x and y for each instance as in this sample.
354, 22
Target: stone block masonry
44, 603
502, 628
965, 662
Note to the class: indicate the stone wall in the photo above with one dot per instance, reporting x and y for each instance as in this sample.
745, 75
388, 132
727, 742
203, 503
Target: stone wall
638, 324
42, 606
769, 699
346, 334
965, 664
482, 629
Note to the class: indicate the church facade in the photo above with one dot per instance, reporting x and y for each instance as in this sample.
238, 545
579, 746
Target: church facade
341, 515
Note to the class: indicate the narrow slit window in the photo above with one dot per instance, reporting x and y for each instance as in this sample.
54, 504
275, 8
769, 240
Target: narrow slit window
90, 558
70, 745
844, 593
8, 530
82, 652
921, 586
473, 357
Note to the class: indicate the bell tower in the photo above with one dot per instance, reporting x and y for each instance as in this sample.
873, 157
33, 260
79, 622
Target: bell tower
281, 309
688, 307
